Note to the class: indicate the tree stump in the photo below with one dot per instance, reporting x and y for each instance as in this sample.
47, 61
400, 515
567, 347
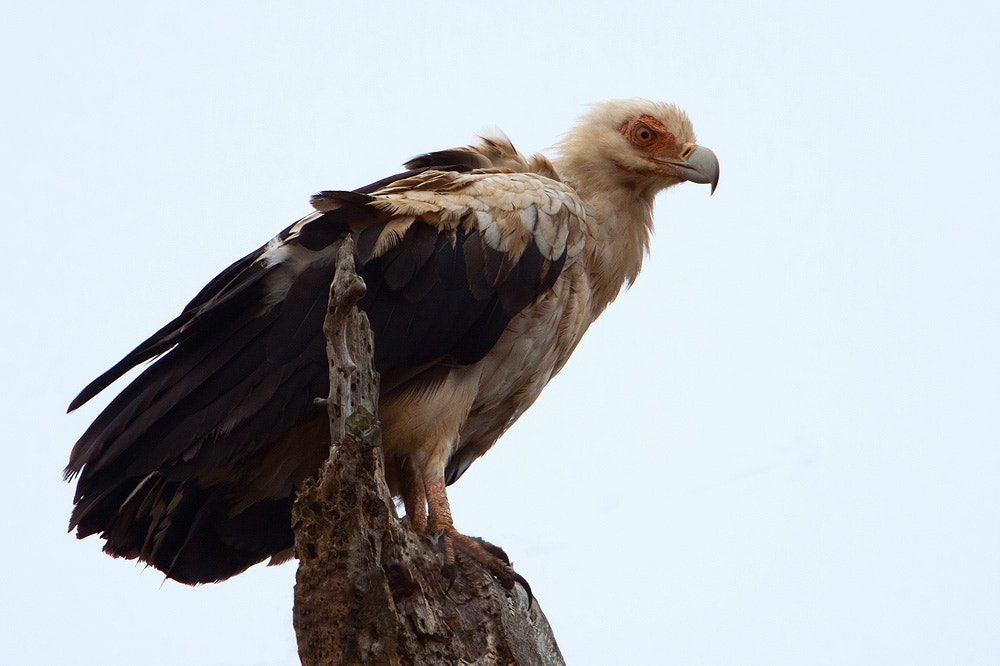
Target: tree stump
368, 590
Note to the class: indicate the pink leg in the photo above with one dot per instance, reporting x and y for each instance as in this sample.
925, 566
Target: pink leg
414, 497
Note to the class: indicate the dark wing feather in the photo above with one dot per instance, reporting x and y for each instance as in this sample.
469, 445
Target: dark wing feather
228, 285
447, 159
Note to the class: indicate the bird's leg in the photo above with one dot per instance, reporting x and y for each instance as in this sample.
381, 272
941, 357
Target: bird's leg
414, 497
439, 521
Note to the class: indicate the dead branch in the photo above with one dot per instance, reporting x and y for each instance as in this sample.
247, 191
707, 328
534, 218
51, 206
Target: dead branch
368, 590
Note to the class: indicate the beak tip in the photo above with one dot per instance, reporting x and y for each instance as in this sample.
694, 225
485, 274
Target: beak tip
705, 166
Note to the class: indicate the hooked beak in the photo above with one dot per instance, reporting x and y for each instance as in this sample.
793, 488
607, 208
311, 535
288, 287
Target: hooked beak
701, 166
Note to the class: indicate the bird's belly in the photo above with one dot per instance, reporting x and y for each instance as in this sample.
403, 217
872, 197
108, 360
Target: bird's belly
535, 346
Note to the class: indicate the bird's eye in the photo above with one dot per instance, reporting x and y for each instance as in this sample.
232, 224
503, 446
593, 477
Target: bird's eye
642, 135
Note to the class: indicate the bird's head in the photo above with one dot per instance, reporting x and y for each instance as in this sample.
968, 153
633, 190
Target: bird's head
646, 146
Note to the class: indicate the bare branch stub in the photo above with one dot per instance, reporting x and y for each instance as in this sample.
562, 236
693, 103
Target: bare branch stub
349, 346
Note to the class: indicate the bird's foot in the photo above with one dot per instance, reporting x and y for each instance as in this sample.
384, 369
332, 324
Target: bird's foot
440, 525
480, 551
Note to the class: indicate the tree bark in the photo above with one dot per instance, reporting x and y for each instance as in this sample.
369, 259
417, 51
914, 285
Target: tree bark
368, 590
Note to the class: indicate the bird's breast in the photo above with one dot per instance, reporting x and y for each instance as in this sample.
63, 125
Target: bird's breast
451, 415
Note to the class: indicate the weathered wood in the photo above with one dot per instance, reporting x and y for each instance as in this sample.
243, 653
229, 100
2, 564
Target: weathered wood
368, 590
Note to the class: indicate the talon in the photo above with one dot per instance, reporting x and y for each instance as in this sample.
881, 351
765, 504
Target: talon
527, 588
449, 571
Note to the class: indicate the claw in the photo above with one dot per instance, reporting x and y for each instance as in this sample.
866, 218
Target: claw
449, 570
450, 573
527, 588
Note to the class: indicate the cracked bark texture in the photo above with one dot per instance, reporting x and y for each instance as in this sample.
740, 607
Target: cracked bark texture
368, 590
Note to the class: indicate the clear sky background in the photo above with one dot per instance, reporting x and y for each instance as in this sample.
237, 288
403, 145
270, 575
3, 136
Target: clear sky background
779, 447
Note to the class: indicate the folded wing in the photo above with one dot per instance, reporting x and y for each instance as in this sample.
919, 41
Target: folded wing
192, 467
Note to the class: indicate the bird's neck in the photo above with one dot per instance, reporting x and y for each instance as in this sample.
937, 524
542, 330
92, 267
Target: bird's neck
619, 223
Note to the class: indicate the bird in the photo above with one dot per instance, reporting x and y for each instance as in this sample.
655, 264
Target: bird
483, 268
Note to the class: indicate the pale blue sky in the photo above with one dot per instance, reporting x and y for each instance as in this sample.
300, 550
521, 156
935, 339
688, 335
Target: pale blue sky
780, 447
